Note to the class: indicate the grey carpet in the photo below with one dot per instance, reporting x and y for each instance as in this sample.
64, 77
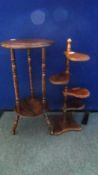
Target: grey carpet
34, 152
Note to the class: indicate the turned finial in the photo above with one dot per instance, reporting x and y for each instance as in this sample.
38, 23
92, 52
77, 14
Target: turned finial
69, 40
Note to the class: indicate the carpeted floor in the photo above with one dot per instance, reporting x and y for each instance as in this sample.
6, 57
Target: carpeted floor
34, 152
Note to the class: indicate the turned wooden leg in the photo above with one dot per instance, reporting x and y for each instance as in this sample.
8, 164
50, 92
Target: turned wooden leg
15, 124
50, 126
85, 118
16, 89
15, 81
44, 79
30, 72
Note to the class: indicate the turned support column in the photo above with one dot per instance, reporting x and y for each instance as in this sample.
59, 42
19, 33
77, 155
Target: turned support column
44, 89
67, 70
15, 81
30, 71
44, 78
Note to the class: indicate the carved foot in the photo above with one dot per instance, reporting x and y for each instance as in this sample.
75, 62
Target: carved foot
15, 125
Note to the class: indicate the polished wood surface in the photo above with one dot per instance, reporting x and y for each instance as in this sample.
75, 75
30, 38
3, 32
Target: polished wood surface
77, 92
63, 123
26, 43
73, 56
60, 79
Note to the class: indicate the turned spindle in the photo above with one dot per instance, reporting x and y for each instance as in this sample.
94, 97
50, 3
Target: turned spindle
30, 71
44, 78
16, 89
67, 70
15, 81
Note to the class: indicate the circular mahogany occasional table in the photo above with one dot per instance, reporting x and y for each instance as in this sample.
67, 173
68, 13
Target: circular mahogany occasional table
30, 106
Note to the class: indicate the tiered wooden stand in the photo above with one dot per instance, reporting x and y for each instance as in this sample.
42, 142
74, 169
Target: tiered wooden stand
66, 122
31, 106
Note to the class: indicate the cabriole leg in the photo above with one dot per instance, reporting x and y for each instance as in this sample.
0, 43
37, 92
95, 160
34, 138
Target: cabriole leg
15, 124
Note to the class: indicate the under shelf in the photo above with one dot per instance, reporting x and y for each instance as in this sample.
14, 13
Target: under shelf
30, 106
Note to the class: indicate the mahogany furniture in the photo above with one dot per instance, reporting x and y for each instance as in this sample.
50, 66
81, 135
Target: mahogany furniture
66, 122
31, 106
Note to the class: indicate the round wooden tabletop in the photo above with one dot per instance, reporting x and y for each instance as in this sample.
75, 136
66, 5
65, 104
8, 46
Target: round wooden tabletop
26, 43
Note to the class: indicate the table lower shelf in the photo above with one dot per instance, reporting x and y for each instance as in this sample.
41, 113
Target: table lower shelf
30, 107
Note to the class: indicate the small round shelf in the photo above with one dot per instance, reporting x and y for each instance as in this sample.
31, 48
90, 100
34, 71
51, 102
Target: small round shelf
60, 79
30, 107
77, 92
75, 104
74, 56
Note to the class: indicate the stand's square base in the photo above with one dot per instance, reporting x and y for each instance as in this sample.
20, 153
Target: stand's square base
63, 123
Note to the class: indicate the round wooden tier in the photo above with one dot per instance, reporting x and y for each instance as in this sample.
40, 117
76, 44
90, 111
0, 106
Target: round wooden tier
74, 105
31, 107
60, 79
77, 92
26, 43
74, 56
